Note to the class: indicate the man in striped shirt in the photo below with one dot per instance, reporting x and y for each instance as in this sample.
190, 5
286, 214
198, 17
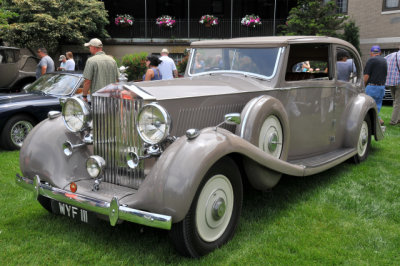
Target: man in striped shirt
393, 82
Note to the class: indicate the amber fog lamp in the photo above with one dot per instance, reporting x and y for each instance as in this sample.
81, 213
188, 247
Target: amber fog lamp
154, 123
76, 114
95, 166
73, 187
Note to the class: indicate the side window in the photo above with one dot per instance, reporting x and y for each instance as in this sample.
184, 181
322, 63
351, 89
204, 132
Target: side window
308, 62
348, 68
9, 56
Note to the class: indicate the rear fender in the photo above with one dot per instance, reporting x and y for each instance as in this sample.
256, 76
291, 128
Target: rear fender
362, 106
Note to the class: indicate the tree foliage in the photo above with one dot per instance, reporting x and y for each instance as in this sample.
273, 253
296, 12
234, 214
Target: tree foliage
5, 15
49, 23
352, 34
313, 17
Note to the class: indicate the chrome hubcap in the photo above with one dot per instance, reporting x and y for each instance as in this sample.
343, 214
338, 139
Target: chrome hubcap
218, 209
272, 142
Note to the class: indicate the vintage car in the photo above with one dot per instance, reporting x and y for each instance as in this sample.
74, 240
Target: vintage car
174, 154
20, 112
16, 70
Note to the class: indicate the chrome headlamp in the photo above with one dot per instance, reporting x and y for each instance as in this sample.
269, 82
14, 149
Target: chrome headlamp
153, 123
76, 114
95, 166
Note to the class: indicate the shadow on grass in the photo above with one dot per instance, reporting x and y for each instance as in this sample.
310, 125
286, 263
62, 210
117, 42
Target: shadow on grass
136, 243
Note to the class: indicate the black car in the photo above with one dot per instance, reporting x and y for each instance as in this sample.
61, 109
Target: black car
20, 112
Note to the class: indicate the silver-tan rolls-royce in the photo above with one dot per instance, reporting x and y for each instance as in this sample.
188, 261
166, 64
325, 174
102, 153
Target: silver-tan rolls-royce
174, 154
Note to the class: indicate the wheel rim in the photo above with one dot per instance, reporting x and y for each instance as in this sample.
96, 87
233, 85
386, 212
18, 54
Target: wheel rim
19, 131
363, 139
271, 136
214, 208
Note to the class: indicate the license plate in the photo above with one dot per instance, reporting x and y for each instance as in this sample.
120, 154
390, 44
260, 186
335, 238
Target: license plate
73, 212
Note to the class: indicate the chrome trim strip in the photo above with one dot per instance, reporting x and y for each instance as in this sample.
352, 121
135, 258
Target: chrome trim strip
94, 205
139, 92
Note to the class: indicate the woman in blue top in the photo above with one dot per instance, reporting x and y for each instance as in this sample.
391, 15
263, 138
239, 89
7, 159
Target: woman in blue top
152, 73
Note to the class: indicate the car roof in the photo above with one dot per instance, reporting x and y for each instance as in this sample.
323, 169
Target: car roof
272, 41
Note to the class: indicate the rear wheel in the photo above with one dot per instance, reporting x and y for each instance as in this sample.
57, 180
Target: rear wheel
364, 141
15, 131
214, 213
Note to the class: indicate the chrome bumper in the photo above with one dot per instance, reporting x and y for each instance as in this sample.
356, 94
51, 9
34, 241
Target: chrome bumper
111, 209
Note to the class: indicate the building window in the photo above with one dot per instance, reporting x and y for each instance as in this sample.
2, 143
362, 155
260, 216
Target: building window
341, 5
389, 5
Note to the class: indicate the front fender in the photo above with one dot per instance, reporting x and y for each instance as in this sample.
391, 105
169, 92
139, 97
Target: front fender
173, 181
42, 154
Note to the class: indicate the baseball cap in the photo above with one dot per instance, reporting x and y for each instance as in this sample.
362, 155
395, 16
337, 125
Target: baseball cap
61, 57
376, 49
165, 50
94, 42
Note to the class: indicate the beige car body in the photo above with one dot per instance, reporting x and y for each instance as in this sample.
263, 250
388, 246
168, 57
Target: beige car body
321, 120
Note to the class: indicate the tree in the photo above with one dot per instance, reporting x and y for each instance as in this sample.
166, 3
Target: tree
50, 23
5, 15
314, 17
352, 35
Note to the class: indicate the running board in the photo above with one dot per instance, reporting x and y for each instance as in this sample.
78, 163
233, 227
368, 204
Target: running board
322, 162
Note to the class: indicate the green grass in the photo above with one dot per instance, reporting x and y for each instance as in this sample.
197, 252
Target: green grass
347, 215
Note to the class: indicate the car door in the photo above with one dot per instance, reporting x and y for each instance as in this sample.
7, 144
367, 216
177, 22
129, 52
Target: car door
310, 100
348, 79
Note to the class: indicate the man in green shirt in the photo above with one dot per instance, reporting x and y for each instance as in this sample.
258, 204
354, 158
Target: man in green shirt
100, 69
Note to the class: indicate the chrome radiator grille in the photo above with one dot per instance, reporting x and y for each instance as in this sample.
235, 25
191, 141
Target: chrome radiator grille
114, 135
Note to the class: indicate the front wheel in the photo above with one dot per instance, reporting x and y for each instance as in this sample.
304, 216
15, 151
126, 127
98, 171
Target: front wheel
15, 131
214, 214
364, 141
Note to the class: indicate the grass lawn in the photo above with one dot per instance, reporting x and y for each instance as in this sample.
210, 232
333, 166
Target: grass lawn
347, 215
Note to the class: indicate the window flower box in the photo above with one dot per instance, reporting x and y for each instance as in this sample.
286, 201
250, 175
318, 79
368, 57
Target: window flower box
251, 21
208, 20
124, 20
165, 21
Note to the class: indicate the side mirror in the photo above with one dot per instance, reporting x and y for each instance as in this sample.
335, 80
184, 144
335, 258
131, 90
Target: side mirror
233, 119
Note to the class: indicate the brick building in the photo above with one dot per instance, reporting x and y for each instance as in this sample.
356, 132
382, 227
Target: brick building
379, 23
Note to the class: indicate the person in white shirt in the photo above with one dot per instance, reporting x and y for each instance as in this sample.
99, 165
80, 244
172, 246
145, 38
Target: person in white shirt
63, 63
167, 67
70, 64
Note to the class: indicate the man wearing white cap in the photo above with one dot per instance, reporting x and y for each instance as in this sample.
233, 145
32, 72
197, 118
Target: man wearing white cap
63, 63
167, 67
100, 69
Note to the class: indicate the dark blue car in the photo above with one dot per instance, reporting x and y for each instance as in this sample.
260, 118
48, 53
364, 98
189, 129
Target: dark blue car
20, 112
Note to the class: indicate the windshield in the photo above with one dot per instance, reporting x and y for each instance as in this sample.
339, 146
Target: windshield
56, 84
258, 61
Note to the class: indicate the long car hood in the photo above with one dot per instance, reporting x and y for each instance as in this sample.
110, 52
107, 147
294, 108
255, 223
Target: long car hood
206, 85
23, 98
